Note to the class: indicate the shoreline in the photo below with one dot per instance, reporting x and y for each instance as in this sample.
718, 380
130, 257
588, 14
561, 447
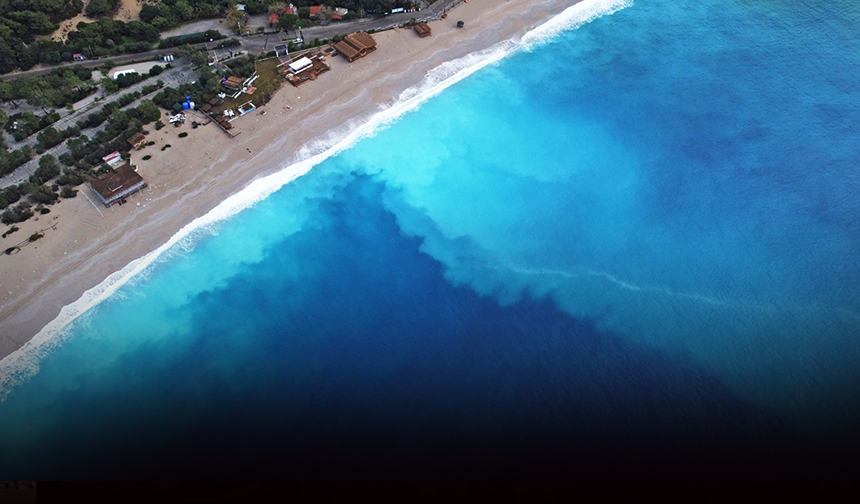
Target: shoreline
85, 244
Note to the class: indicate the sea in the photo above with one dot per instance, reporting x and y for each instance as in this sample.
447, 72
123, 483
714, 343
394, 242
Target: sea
624, 244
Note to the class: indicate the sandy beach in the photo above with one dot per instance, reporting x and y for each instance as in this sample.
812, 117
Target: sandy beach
84, 242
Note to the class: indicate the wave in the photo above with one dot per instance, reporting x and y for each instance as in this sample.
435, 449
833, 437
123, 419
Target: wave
23, 364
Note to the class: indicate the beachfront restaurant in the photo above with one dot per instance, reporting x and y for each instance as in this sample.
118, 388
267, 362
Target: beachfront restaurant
117, 184
355, 45
300, 65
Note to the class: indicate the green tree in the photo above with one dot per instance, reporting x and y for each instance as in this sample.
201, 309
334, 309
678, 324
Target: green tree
48, 168
196, 55
147, 111
236, 20
49, 137
98, 8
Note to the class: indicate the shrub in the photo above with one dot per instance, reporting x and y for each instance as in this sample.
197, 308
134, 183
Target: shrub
159, 124
18, 213
166, 147
10, 231
147, 157
35, 236
68, 192
183, 134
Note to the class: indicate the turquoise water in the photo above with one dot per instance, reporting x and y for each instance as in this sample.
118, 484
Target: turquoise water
632, 246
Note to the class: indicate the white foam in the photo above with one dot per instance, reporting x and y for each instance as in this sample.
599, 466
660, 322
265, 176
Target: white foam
21, 365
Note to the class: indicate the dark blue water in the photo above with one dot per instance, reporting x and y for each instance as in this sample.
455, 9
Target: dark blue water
631, 249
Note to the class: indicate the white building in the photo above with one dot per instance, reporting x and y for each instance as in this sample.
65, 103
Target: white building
300, 65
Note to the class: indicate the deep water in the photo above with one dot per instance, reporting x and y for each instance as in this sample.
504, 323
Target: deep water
631, 249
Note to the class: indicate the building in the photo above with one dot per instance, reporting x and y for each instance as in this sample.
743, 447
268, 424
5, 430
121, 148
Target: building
281, 49
114, 186
300, 65
137, 140
305, 69
339, 13
233, 82
355, 45
113, 159
422, 29
273, 19
315, 11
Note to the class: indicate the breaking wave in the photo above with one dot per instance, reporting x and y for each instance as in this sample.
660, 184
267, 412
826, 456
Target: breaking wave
24, 363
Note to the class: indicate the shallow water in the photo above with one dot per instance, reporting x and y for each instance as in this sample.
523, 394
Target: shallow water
633, 245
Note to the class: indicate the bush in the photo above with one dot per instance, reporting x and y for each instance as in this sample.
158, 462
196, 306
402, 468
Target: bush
18, 213
68, 192
42, 194
183, 134
10, 231
147, 157
35, 236
44, 211
70, 178
166, 147
159, 124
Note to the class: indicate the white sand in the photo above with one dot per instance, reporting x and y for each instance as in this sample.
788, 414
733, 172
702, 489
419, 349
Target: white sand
89, 242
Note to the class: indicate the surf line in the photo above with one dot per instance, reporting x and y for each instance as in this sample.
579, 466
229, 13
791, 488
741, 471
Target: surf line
19, 366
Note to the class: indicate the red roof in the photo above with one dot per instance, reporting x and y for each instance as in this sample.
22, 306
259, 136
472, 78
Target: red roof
336, 16
273, 18
315, 10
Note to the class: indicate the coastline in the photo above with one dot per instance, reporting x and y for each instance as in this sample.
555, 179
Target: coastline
85, 243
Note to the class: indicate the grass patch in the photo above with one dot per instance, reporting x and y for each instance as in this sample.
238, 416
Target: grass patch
268, 82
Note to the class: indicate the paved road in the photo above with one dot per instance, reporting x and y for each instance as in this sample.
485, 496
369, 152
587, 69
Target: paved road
256, 43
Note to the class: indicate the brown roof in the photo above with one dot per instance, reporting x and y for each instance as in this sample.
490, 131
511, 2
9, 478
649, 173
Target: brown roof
213, 101
422, 29
117, 183
361, 38
355, 45
233, 81
346, 50
137, 139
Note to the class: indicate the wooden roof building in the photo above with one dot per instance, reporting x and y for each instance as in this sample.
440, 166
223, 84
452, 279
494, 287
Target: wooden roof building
115, 185
355, 45
422, 29
137, 140
233, 82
